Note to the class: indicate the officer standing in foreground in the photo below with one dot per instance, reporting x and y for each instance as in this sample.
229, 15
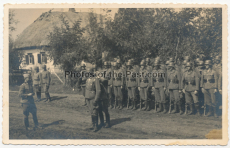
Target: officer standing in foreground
104, 100
118, 83
131, 84
92, 96
26, 94
190, 86
158, 83
46, 78
173, 86
82, 81
108, 76
37, 81
209, 82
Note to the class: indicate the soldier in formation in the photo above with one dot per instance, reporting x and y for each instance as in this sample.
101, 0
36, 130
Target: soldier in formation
82, 81
37, 81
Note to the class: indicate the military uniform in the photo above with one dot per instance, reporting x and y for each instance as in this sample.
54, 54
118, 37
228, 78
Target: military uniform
82, 81
109, 73
132, 84
209, 84
37, 81
104, 101
190, 85
26, 94
158, 83
118, 83
46, 78
92, 96
173, 86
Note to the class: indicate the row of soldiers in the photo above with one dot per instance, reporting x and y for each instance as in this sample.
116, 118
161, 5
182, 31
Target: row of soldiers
182, 86
34, 82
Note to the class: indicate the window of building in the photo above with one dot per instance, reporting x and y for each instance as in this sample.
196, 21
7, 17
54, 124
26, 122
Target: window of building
29, 59
42, 58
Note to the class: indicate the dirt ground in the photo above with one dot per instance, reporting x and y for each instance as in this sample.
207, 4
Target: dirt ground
66, 118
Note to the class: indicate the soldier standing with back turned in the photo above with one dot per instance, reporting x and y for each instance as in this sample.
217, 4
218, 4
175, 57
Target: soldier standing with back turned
46, 78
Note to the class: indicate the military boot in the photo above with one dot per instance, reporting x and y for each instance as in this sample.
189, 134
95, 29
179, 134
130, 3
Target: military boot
160, 108
209, 110
191, 109
92, 126
95, 124
164, 107
145, 108
180, 108
186, 109
148, 106
134, 105
214, 112
197, 109
107, 124
120, 105
101, 116
175, 108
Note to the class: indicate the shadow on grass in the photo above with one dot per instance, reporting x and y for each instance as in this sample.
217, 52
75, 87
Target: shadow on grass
55, 98
53, 123
118, 121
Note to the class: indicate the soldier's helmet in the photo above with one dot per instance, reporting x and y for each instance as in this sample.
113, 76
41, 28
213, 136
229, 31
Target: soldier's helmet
36, 68
187, 58
142, 63
43, 66
208, 62
171, 64
130, 63
201, 63
188, 64
197, 60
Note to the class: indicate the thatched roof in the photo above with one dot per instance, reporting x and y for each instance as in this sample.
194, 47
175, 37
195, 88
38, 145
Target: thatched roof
35, 35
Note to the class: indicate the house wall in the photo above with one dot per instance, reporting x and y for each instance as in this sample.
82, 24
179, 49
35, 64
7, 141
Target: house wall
35, 52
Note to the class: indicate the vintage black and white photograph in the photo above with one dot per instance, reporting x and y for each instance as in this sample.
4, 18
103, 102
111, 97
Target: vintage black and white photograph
116, 73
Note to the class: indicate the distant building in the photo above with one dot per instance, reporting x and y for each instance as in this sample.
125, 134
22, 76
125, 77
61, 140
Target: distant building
34, 39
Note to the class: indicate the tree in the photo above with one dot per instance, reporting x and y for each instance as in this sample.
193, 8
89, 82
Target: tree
15, 56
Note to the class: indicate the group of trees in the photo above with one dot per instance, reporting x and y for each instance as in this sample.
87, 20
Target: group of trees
137, 34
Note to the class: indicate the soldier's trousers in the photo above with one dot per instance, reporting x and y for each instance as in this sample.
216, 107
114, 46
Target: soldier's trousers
103, 107
37, 90
118, 94
132, 93
93, 107
209, 97
83, 90
160, 95
174, 95
46, 90
191, 97
29, 108
109, 90
144, 93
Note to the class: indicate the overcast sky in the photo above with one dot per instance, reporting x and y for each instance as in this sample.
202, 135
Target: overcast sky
28, 16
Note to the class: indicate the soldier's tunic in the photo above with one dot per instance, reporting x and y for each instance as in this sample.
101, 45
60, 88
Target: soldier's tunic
190, 83
108, 77
82, 82
209, 81
132, 83
158, 81
45, 81
173, 84
28, 104
118, 82
144, 83
199, 73
104, 100
92, 95
37, 81
218, 69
